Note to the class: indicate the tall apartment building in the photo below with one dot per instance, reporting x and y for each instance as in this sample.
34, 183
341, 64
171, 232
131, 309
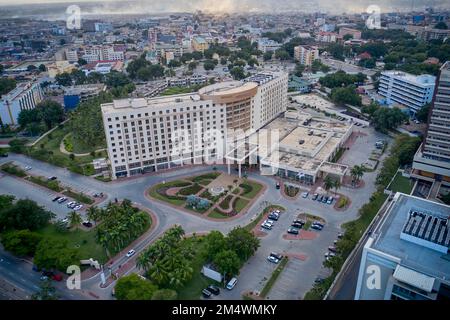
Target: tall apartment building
409, 90
432, 160
24, 97
145, 135
405, 256
306, 54
102, 53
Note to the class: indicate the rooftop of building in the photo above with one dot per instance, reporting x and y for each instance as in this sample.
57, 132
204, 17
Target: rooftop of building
227, 87
413, 255
424, 79
306, 142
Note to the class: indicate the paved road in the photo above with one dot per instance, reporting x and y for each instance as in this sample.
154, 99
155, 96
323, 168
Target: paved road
19, 274
347, 67
256, 270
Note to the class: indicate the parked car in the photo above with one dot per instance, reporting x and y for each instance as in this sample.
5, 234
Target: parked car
52, 178
305, 194
28, 168
3, 155
299, 221
57, 277
320, 198
87, 224
36, 268
273, 216
277, 212
276, 255
78, 207
273, 259
214, 289
330, 254
340, 235
271, 222
325, 199
206, 293
318, 280
43, 278
318, 223
266, 226
297, 225
332, 249
315, 196
130, 253
56, 199
292, 230
277, 185
65, 220
330, 200
69, 204
316, 227
62, 199
232, 283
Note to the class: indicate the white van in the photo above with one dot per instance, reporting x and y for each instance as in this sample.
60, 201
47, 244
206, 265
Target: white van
231, 284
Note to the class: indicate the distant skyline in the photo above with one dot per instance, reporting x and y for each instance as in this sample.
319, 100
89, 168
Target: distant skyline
242, 6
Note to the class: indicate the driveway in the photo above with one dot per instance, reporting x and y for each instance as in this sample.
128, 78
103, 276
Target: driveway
257, 270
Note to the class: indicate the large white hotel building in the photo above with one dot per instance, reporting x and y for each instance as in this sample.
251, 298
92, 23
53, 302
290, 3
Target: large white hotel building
146, 135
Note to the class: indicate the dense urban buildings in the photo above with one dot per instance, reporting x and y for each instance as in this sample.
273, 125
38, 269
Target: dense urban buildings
306, 54
405, 256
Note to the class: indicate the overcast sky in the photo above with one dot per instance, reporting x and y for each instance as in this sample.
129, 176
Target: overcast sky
337, 6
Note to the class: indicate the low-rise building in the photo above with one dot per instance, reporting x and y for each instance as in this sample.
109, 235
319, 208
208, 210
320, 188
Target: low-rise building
407, 89
268, 45
406, 255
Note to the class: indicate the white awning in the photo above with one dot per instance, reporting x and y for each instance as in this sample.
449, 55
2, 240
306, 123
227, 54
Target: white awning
414, 278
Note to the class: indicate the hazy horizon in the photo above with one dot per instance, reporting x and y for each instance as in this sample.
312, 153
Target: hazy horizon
233, 6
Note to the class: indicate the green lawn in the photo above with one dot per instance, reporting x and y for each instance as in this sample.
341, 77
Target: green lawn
193, 289
255, 188
401, 184
83, 241
217, 215
239, 204
177, 183
47, 150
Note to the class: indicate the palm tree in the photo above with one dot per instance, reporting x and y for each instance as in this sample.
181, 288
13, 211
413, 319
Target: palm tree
74, 219
92, 214
357, 172
328, 183
336, 186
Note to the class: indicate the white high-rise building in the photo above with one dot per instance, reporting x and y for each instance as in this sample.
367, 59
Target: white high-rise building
145, 135
409, 90
24, 97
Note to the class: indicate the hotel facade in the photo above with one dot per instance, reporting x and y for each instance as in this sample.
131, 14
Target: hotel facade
147, 135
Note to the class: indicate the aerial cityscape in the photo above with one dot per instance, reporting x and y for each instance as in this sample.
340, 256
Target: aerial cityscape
224, 150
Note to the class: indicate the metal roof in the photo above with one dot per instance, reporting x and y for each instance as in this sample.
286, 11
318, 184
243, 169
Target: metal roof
414, 278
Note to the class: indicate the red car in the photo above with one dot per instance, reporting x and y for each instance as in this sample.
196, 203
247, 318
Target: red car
57, 277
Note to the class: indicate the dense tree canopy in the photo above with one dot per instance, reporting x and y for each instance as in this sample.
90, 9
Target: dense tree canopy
24, 214
133, 287
20, 242
6, 85
55, 254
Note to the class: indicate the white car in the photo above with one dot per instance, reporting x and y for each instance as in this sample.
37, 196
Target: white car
27, 168
70, 204
273, 259
269, 222
305, 195
78, 207
65, 220
130, 253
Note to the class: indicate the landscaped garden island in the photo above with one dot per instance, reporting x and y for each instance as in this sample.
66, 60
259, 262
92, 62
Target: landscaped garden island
215, 194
